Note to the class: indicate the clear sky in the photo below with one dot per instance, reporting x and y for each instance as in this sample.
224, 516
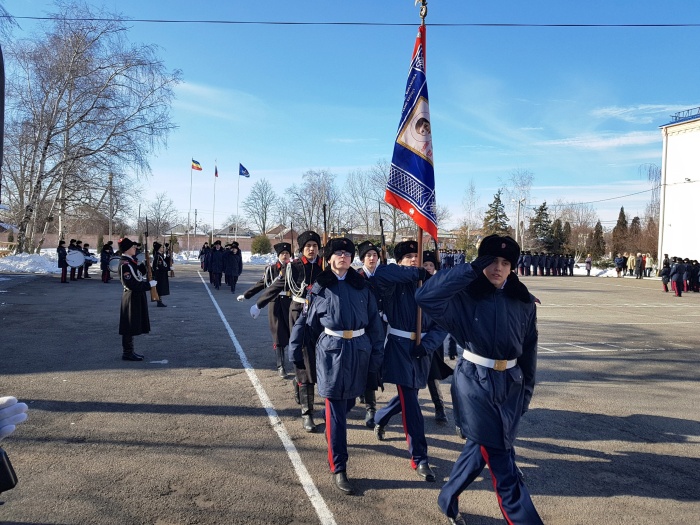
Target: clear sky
579, 107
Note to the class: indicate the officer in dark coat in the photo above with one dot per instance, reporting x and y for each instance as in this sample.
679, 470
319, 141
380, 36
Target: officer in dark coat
133, 319
676, 276
493, 317
62, 262
160, 271
215, 264
299, 276
105, 256
278, 311
342, 324
406, 364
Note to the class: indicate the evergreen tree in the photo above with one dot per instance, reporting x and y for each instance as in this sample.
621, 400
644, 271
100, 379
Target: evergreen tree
557, 241
634, 234
597, 245
619, 233
566, 238
495, 218
540, 229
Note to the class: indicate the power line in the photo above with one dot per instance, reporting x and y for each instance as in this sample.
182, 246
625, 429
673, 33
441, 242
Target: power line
369, 24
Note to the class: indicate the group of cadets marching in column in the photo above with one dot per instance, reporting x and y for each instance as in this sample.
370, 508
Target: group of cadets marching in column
349, 332
226, 262
682, 273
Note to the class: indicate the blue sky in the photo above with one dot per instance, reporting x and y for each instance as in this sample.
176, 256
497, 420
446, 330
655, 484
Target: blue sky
579, 107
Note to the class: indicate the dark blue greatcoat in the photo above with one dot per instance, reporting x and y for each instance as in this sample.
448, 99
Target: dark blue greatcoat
342, 365
61, 251
397, 286
215, 263
496, 324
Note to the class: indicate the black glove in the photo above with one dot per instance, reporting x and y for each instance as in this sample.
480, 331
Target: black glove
422, 274
418, 351
482, 262
300, 365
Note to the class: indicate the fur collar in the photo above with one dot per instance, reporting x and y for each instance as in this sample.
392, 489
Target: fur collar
354, 279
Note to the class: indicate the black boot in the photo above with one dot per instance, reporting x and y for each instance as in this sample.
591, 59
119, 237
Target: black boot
295, 385
306, 396
279, 353
371, 405
160, 304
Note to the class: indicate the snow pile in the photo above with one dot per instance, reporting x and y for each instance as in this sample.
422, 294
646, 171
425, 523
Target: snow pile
29, 263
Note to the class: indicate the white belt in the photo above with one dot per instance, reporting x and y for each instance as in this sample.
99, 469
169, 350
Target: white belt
345, 334
404, 334
497, 364
298, 299
286, 294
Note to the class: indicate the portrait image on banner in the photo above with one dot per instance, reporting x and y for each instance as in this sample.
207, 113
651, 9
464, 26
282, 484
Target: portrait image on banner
415, 135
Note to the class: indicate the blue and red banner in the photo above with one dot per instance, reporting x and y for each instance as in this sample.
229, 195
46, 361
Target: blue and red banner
411, 184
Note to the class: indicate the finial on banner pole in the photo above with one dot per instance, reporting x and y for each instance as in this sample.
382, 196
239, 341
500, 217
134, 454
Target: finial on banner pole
423, 10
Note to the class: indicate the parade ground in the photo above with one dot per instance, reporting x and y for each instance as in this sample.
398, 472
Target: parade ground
204, 431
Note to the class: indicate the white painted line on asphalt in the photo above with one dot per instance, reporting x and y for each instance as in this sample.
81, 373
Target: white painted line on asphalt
324, 513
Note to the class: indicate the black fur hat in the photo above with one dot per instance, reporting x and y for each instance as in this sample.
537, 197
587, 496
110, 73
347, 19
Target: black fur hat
125, 243
341, 243
404, 248
500, 246
306, 237
367, 246
283, 247
431, 256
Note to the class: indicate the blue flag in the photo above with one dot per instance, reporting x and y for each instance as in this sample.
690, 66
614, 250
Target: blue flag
242, 171
411, 184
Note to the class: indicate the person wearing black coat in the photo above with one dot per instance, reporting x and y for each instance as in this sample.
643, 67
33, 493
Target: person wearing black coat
133, 318
342, 325
278, 311
215, 264
233, 265
493, 317
62, 262
298, 278
676, 276
105, 256
160, 271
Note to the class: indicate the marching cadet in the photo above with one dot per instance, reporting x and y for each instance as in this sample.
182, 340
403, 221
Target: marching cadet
216, 264
278, 312
233, 265
62, 262
299, 277
438, 369
369, 256
493, 317
342, 323
160, 270
406, 364
676, 276
133, 319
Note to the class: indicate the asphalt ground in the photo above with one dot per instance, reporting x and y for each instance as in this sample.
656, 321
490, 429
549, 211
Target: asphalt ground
205, 432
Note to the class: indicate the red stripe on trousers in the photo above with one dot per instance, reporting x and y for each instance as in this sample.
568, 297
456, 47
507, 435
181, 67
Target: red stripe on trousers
485, 455
328, 435
403, 420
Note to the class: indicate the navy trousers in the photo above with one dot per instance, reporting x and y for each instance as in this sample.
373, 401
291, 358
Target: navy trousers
337, 432
406, 403
513, 497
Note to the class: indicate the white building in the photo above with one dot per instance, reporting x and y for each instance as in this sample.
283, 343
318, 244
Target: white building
680, 187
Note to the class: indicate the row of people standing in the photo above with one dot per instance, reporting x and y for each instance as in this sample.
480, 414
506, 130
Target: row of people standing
76, 272
226, 262
451, 258
682, 273
640, 265
545, 264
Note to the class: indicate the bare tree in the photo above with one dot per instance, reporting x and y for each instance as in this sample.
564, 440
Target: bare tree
81, 98
162, 214
360, 200
305, 201
517, 189
237, 224
260, 204
582, 219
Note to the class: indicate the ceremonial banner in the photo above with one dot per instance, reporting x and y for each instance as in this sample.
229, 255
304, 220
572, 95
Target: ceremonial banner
242, 171
216, 171
411, 184
196, 165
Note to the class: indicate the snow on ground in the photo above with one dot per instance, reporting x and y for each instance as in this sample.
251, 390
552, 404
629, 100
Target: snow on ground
47, 262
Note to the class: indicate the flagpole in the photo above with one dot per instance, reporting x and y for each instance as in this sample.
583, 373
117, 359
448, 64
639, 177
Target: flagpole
213, 208
238, 194
189, 212
419, 240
